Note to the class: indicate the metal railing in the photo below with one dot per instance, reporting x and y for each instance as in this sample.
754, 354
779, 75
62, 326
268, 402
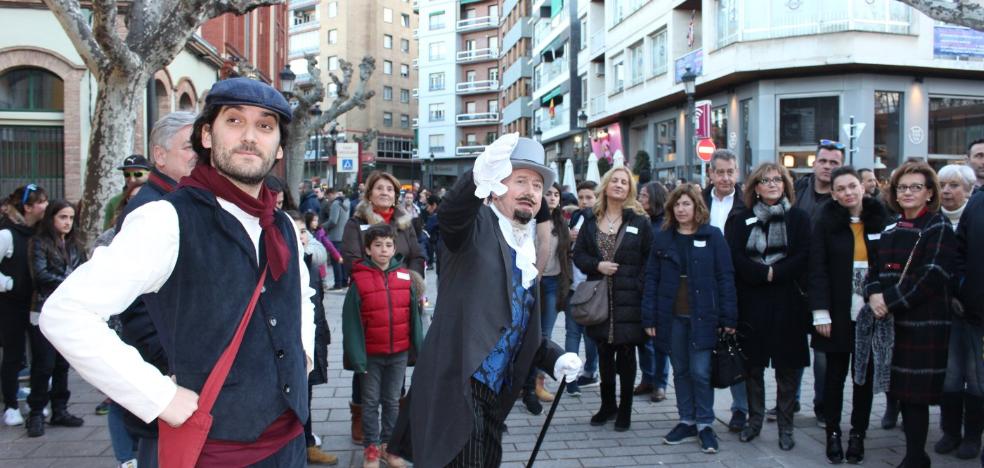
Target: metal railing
474, 55
477, 86
469, 150
475, 24
477, 118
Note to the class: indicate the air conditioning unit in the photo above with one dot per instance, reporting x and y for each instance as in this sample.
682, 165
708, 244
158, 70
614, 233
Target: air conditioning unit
599, 68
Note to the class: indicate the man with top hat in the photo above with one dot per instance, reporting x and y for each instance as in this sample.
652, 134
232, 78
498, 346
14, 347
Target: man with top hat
482, 344
135, 169
213, 240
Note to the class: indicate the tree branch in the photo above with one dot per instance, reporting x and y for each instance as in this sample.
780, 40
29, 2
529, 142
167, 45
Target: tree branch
76, 26
969, 13
104, 15
345, 102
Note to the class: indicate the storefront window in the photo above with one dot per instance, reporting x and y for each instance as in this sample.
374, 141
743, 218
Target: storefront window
953, 123
746, 138
719, 126
666, 141
888, 128
803, 122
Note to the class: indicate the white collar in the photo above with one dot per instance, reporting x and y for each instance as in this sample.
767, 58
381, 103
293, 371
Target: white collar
730, 196
520, 238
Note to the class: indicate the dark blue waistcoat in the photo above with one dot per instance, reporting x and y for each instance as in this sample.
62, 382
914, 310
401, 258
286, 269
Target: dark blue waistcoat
197, 310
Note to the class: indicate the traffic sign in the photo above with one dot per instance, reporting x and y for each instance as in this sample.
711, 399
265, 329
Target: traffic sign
705, 148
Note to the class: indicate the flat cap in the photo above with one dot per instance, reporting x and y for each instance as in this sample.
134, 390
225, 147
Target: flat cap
248, 92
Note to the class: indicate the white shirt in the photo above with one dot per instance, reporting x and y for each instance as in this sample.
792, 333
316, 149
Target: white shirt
74, 317
721, 208
6, 251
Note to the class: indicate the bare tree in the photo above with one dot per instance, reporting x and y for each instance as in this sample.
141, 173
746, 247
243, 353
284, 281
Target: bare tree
123, 46
304, 122
969, 13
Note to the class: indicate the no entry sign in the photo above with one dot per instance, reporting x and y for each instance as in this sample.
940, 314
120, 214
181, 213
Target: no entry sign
705, 148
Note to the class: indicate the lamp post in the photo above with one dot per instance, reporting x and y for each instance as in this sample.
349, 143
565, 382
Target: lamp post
287, 81
538, 134
333, 134
689, 83
431, 172
582, 121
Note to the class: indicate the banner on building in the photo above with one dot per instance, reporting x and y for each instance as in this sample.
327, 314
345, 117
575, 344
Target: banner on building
606, 141
348, 157
694, 60
953, 42
702, 119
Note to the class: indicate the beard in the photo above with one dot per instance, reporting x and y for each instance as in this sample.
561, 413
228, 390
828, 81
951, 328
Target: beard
244, 174
522, 217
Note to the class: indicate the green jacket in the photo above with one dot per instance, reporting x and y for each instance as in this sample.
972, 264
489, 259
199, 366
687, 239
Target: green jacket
353, 336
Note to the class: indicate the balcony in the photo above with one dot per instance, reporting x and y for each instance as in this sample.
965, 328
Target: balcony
302, 52
469, 150
298, 4
414, 122
415, 63
475, 87
416, 33
597, 44
477, 55
416, 6
302, 27
478, 24
478, 118
597, 105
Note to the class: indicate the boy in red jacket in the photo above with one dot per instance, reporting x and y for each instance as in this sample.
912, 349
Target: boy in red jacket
380, 328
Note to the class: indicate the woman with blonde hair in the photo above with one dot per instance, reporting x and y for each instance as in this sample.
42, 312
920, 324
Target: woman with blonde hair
613, 245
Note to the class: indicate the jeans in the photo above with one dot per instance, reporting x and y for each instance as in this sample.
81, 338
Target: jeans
691, 376
837, 365
13, 336
786, 385
819, 374
47, 365
654, 364
340, 271
739, 398
964, 366
381, 385
572, 344
124, 443
548, 313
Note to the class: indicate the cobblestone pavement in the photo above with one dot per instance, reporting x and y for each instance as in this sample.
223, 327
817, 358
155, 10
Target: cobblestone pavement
571, 441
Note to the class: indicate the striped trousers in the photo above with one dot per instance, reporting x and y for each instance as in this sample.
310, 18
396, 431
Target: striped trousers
484, 446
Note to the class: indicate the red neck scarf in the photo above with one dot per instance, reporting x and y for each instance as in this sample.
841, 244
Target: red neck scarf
387, 214
205, 177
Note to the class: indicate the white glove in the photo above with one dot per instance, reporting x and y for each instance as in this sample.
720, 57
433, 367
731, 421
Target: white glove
569, 366
6, 283
492, 166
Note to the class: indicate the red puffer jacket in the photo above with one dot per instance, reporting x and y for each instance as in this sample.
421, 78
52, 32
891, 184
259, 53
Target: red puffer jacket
385, 308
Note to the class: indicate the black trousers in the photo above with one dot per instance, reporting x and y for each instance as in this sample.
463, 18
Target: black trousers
47, 363
484, 446
837, 366
620, 360
787, 382
915, 424
14, 320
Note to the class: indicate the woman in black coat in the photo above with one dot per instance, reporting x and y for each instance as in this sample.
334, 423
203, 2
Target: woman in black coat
616, 214
769, 243
845, 239
908, 283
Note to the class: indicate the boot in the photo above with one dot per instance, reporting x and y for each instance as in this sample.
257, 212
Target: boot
541, 392
624, 414
356, 423
970, 447
891, 417
951, 409
835, 451
608, 407
316, 456
35, 424
61, 417
855, 448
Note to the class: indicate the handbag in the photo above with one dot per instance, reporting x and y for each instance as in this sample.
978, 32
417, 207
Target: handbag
589, 303
180, 447
727, 362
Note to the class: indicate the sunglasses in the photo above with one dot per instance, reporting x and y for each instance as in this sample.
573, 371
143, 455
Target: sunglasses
831, 145
134, 175
27, 193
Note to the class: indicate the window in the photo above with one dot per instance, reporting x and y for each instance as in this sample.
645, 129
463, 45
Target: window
802, 123
470, 13
618, 73
405, 70
387, 67
333, 36
332, 90
387, 15
437, 112
31, 89
746, 136
404, 121
387, 41
470, 76
387, 119
954, 122
888, 127
436, 143
404, 95
470, 44
490, 137
657, 53
719, 126
333, 63
303, 17
493, 105
471, 107
405, 45
583, 43
471, 139
332, 9
436, 20
493, 74
636, 56
666, 133
436, 81
405, 20
494, 11
387, 93
493, 42
304, 42
438, 50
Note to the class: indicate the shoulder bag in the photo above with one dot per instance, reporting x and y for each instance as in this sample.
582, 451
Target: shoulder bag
589, 303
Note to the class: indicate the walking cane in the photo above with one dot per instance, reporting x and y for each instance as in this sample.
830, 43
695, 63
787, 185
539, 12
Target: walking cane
546, 424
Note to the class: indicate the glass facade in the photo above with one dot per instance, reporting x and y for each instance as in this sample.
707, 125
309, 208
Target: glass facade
888, 127
953, 123
802, 123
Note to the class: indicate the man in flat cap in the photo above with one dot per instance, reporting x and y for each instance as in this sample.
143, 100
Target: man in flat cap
214, 240
485, 336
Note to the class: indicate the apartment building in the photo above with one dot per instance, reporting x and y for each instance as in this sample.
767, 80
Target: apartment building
780, 76
335, 30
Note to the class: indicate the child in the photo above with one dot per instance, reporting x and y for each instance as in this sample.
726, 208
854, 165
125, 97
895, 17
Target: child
380, 328
311, 220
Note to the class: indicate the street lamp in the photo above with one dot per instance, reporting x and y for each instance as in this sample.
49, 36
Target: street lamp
538, 134
431, 172
287, 80
333, 134
582, 121
689, 84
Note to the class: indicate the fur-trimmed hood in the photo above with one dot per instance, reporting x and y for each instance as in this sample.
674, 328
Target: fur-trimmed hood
401, 219
873, 215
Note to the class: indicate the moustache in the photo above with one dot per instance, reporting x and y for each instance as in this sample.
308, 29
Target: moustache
526, 199
247, 148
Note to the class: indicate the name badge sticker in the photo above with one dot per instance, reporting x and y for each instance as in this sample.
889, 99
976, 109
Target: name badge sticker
632, 230
890, 227
363, 226
750, 221
403, 275
700, 243
874, 236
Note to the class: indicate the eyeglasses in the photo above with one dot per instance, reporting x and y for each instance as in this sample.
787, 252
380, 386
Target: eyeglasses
914, 188
830, 145
134, 175
27, 193
777, 180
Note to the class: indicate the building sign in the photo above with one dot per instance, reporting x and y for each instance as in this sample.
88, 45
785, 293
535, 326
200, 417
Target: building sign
952, 42
606, 141
694, 60
702, 119
348, 157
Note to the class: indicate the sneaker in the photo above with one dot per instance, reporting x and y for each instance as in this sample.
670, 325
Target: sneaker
13, 417
643, 389
708, 440
835, 452
102, 409
748, 434
532, 403
587, 381
370, 457
35, 425
658, 395
573, 390
969, 448
64, 418
392, 460
770, 415
738, 421
680, 434
855, 449
131, 463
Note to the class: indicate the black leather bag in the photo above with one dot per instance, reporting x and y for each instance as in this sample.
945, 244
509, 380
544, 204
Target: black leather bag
727, 362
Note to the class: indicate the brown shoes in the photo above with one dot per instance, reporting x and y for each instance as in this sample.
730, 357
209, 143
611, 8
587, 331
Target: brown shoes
316, 456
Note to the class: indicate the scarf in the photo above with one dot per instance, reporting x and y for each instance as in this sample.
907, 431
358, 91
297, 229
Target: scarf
874, 338
520, 238
205, 177
386, 214
767, 242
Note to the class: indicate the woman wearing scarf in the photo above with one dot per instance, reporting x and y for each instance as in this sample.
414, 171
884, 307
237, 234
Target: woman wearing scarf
770, 249
909, 285
378, 206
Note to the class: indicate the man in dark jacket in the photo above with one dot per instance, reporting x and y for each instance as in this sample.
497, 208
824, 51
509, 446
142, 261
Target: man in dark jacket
480, 349
975, 159
309, 199
970, 274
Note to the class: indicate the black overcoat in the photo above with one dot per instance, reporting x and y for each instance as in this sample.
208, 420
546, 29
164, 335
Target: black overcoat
473, 309
832, 268
773, 321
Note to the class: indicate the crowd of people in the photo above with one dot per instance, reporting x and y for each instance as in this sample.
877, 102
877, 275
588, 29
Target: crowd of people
879, 278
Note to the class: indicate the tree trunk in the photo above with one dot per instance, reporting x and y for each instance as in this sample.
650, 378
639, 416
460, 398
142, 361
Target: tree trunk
296, 147
120, 95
